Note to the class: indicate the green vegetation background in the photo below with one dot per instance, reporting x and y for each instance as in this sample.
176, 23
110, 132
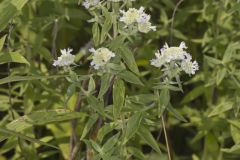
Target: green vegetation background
210, 102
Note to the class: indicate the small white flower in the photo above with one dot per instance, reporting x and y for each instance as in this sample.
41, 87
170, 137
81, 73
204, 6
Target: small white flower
183, 45
90, 3
146, 27
178, 55
130, 16
143, 17
65, 59
138, 18
159, 61
189, 67
101, 57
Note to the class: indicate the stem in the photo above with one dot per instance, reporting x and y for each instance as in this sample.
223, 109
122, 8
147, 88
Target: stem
74, 144
166, 138
9, 72
74, 137
54, 38
173, 17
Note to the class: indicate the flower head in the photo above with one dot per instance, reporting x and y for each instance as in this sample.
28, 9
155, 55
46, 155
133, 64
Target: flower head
90, 3
139, 18
101, 57
178, 56
65, 59
130, 16
146, 27
189, 67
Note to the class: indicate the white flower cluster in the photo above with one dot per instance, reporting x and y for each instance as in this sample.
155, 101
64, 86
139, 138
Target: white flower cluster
90, 3
101, 57
178, 55
65, 59
139, 17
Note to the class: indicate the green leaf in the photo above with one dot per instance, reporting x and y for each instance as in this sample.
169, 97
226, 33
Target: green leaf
221, 108
128, 58
163, 101
27, 78
146, 135
12, 57
164, 98
105, 83
96, 105
96, 34
130, 77
235, 133
2, 40
8, 9
43, 117
118, 97
233, 149
212, 60
137, 153
220, 75
111, 142
13, 133
91, 121
179, 35
105, 130
196, 92
133, 125
91, 85
232, 47
143, 98
107, 25
95, 146
175, 113
70, 91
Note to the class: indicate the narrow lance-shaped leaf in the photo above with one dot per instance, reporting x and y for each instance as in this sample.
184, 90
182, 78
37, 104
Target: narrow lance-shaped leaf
164, 100
106, 25
196, 92
96, 34
130, 77
2, 40
91, 121
8, 9
13, 133
105, 83
133, 125
91, 85
43, 117
110, 143
128, 58
105, 130
146, 135
12, 57
175, 113
28, 78
118, 97
221, 108
97, 105
232, 47
220, 75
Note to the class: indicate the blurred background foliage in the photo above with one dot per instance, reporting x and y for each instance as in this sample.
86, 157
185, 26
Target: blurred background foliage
38, 29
